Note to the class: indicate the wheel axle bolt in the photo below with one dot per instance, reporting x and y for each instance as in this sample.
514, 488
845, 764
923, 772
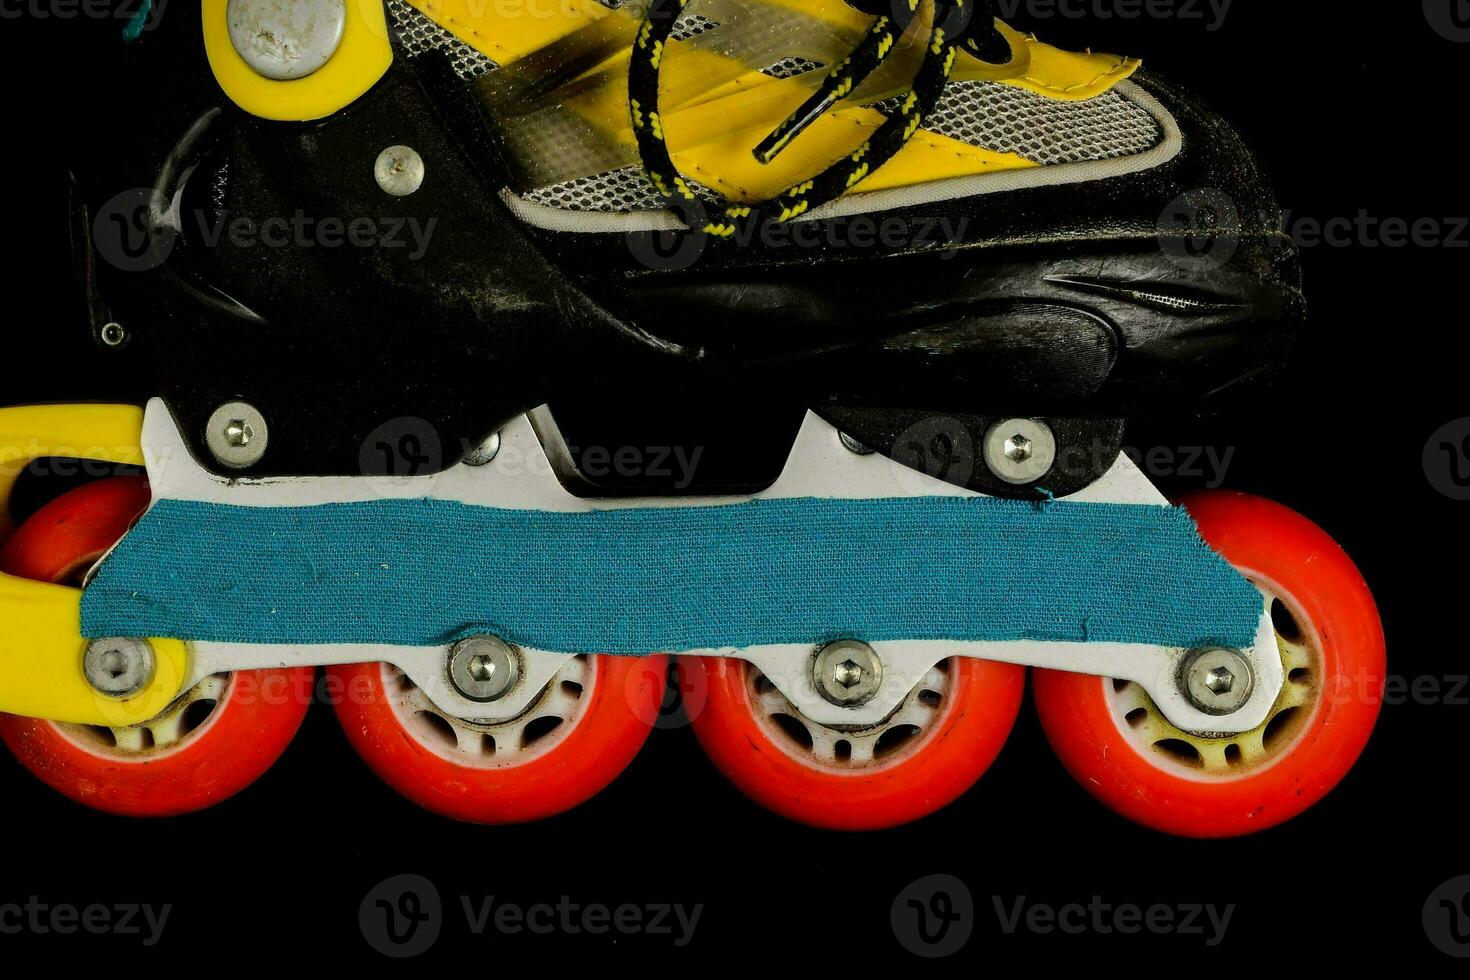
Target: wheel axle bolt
1217, 681
118, 667
484, 668
848, 673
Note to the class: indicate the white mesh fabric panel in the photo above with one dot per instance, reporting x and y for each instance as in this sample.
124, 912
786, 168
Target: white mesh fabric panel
615, 192
1043, 130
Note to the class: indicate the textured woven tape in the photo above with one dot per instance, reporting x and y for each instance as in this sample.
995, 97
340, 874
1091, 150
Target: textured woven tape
422, 572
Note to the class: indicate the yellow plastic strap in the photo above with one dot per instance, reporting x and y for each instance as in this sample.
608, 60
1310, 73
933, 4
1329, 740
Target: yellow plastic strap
361, 60
41, 646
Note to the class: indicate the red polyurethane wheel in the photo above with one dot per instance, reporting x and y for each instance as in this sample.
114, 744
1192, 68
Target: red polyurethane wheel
1115, 744
934, 748
209, 745
576, 738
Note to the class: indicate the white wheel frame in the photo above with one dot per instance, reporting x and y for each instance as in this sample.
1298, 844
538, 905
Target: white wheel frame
523, 475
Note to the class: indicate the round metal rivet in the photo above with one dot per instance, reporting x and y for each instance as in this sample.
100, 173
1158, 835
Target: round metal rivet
286, 39
399, 171
113, 334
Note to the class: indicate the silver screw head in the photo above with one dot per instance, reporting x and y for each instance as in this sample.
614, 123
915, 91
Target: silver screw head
1217, 681
848, 673
485, 453
1018, 448
1220, 680
484, 668
237, 435
399, 171
1020, 451
118, 667
286, 39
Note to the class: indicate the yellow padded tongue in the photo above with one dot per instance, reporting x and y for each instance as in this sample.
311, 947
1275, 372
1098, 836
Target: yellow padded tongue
716, 102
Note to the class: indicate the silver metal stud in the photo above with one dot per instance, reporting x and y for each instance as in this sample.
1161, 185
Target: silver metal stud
399, 171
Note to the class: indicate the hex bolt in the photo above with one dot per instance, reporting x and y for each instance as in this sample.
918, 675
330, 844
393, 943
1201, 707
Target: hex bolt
1018, 448
399, 171
286, 39
1020, 451
484, 668
847, 673
118, 667
1215, 680
237, 435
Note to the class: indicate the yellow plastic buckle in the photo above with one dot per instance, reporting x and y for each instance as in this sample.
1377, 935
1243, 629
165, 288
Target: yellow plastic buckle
42, 650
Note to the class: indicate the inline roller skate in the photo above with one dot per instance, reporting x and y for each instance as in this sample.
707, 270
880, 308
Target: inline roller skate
494, 360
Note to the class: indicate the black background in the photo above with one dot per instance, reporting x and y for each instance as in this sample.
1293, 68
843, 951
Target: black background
1352, 107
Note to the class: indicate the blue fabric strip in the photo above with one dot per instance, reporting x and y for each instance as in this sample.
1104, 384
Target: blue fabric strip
139, 22
423, 572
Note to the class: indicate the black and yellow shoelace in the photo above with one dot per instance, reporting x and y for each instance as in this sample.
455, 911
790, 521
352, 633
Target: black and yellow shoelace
955, 22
